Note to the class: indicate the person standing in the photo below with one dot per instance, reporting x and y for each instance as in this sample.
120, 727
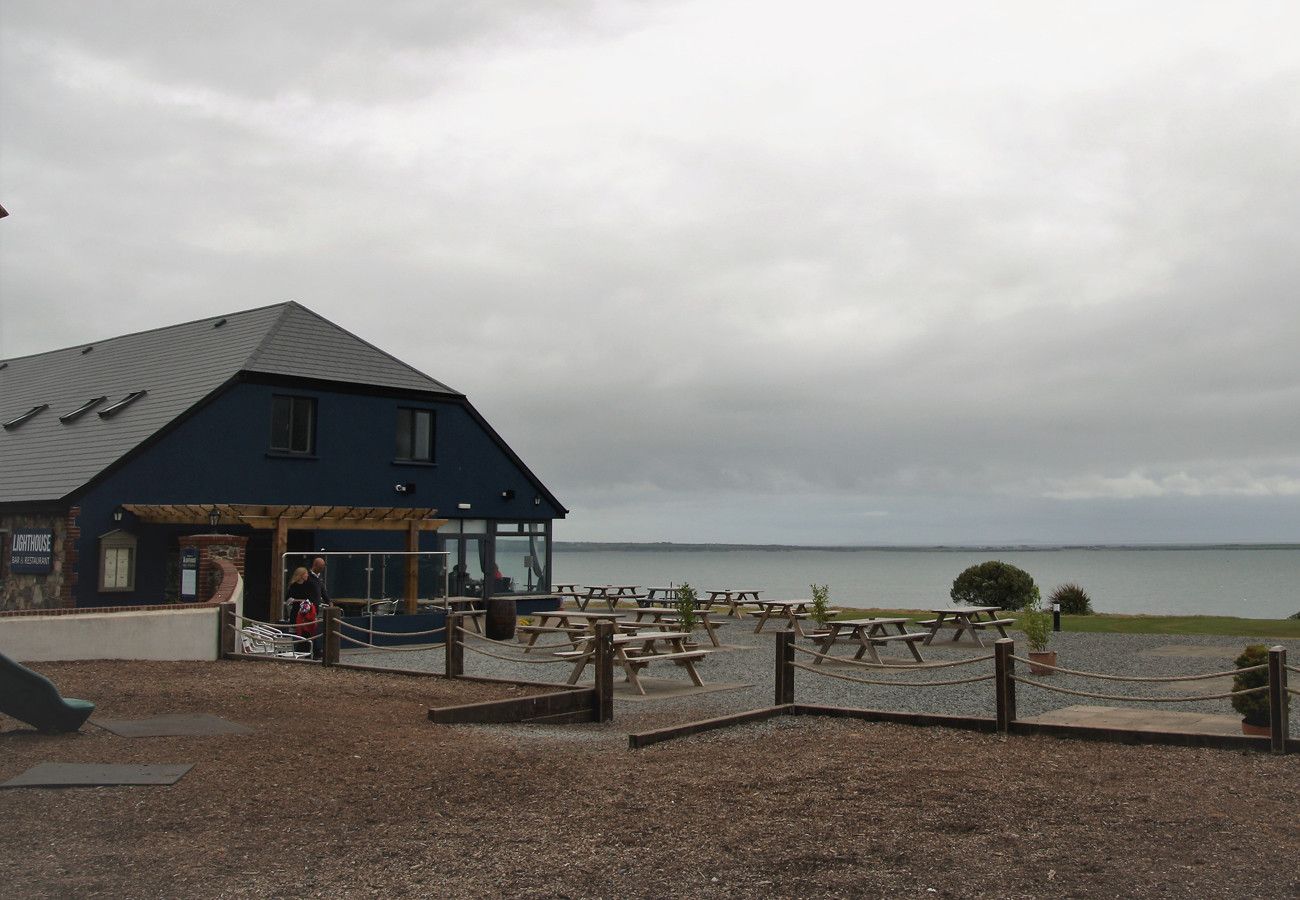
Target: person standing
320, 596
302, 611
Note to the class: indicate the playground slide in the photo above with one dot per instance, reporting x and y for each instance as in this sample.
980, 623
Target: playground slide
33, 698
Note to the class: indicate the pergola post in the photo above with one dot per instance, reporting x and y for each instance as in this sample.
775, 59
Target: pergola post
279, 544
412, 566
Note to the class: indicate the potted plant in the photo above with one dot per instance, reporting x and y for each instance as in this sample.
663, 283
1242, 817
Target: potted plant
1036, 623
1254, 708
821, 607
685, 606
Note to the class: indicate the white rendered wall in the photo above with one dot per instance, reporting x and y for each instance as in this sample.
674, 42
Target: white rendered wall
161, 634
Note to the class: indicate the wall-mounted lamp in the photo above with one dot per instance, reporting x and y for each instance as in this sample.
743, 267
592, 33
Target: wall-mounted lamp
462, 506
118, 514
507, 494
214, 516
537, 500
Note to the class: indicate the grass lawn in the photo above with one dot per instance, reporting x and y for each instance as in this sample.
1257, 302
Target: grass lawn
1228, 626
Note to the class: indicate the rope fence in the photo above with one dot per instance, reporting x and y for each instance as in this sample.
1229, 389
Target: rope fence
1158, 678
517, 645
1036, 682
343, 624
1005, 679
854, 678
905, 667
421, 648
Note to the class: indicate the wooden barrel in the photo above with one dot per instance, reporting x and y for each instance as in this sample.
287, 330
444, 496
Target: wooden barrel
499, 621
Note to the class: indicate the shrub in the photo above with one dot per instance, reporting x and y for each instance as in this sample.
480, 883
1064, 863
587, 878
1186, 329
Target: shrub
1036, 623
821, 606
1253, 707
995, 583
685, 605
1073, 600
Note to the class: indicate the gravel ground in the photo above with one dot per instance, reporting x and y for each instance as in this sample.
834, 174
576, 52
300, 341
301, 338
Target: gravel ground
753, 665
344, 788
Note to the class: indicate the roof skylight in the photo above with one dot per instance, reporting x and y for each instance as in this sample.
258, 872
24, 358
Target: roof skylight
15, 422
118, 405
81, 410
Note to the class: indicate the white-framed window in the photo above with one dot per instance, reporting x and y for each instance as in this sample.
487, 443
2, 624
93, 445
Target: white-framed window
117, 561
293, 424
414, 435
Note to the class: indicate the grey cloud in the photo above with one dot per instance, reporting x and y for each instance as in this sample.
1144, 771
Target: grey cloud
1050, 306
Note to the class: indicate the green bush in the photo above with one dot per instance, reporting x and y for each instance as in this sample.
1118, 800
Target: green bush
821, 606
685, 605
1036, 623
1253, 707
995, 583
1073, 600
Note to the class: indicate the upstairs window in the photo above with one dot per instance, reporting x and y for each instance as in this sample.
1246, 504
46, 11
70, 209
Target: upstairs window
415, 435
293, 424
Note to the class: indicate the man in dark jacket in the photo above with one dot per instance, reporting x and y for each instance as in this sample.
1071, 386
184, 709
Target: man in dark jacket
319, 595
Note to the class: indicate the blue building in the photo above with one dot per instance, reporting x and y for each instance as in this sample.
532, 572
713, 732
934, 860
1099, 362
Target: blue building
271, 425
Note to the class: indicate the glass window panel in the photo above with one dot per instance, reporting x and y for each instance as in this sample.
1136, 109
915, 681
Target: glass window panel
302, 424
404, 434
280, 415
521, 560
423, 435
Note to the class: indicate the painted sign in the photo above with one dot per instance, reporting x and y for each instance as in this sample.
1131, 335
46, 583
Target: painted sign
189, 573
31, 551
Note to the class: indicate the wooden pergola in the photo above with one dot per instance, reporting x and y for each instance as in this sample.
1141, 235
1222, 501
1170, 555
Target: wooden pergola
279, 519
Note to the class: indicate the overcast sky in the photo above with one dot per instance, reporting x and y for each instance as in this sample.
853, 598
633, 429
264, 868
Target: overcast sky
719, 271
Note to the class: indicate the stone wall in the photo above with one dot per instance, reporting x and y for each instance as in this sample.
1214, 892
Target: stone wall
50, 591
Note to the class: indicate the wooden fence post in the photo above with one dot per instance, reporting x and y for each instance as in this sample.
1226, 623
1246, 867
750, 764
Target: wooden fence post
330, 652
225, 630
784, 667
1004, 668
603, 660
455, 649
1278, 698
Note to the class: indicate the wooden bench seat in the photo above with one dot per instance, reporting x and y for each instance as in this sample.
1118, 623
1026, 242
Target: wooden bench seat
886, 638
646, 659
994, 623
550, 629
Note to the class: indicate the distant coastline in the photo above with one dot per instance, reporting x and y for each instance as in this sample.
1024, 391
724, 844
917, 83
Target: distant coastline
659, 546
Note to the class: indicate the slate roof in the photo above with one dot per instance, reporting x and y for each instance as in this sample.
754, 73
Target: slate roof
178, 366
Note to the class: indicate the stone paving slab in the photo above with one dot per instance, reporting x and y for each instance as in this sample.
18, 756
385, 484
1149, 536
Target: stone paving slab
172, 726
97, 775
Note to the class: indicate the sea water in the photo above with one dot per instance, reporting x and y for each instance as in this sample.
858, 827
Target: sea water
1262, 583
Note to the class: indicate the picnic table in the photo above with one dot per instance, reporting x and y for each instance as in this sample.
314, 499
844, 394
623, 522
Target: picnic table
565, 587
569, 622
666, 618
636, 651
733, 597
793, 611
869, 633
965, 618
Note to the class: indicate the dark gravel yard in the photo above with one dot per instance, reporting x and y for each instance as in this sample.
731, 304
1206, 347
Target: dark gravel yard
345, 789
